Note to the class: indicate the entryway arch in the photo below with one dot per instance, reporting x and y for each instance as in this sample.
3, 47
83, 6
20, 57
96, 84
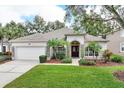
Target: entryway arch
75, 47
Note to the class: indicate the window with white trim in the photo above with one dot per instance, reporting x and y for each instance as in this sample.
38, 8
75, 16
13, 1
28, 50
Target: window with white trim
122, 47
60, 49
90, 52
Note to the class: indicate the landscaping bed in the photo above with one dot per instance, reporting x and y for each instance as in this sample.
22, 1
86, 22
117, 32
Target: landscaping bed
3, 62
53, 61
100, 63
109, 64
4, 59
119, 75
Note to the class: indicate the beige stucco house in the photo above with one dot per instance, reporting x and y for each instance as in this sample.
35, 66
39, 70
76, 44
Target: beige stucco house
32, 46
116, 42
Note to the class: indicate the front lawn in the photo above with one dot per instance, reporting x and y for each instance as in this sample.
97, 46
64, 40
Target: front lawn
52, 76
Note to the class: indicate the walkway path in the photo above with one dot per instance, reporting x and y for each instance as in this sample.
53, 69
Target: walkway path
11, 70
75, 61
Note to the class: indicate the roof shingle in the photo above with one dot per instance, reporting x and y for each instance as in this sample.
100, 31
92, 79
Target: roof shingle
39, 37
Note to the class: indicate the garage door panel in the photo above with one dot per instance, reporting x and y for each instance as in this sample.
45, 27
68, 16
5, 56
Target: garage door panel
29, 53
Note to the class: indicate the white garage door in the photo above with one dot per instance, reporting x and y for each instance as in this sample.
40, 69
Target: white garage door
29, 53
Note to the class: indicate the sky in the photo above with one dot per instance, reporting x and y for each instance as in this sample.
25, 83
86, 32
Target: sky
21, 13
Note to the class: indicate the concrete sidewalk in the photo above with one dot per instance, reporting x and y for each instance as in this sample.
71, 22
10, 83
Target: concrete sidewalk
74, 63
11, 70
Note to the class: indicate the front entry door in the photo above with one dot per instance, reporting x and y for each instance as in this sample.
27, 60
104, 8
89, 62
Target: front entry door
75, 51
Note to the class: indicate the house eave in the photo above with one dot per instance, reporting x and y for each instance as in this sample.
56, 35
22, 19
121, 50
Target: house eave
26, 41
74, 34
97, 40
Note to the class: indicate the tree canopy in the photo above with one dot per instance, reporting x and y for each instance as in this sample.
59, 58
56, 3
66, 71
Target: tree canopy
14, 30
96, 20
39, 25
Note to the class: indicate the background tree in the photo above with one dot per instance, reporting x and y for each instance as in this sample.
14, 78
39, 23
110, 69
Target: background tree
39, 25
108, 19
13, 30
29, 27
58, 25
95, 47
50, 26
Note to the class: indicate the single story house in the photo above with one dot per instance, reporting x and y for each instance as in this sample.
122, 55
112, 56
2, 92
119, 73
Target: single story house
32, 46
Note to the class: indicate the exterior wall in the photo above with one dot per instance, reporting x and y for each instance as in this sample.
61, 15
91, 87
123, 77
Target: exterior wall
102, 44
115, 40
76, 38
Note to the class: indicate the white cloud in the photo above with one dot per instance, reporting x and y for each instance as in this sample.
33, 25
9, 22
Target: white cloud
49, 13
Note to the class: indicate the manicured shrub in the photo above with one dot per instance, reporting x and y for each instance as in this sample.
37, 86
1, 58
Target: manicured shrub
81, 61
117, 58
1, 53
42, 58
4, 58
67, 60
60, 55
84, 62
8, 53
107, 55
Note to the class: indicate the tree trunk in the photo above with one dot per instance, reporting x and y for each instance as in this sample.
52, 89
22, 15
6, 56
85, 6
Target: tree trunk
54, 52
96, 58
106, 59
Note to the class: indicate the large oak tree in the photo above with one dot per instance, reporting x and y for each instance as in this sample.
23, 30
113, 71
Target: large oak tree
107, 18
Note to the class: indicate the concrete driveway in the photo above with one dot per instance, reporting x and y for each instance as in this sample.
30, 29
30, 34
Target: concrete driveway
11, 70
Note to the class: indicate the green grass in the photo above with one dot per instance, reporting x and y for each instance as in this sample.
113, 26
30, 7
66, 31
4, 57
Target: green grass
51, 76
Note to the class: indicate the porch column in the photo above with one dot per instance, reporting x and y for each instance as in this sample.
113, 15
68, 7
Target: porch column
68, 52
51, 52
82, 51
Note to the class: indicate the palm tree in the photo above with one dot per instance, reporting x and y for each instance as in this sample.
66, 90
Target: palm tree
96, 47
54, 43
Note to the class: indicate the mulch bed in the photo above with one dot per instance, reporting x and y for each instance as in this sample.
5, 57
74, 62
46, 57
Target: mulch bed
98, 63
54, 61
108, 64
102, 63
3, 62
119, 75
